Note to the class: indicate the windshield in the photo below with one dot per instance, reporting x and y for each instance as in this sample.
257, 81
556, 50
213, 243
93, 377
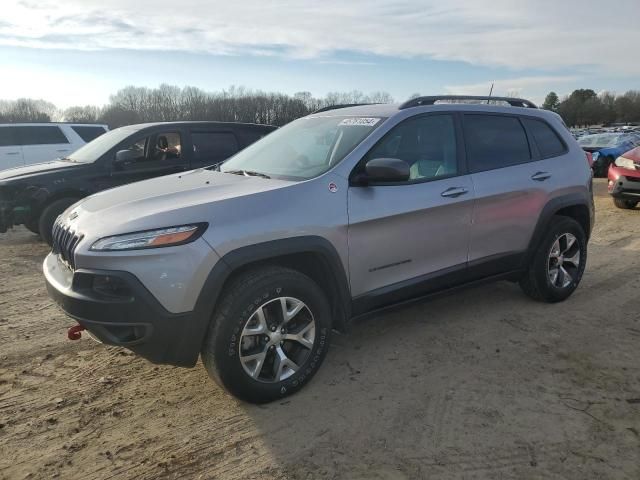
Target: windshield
602, 140
96, 148
303, 149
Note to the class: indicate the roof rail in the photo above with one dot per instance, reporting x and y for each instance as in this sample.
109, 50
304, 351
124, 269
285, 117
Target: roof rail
420, 101
344, 105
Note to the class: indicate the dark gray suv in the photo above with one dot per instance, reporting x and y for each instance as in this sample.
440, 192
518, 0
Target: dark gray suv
253, 263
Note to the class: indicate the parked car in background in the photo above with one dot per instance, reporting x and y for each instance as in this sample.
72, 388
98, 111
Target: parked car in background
606, 147
335, 215
624, 179
28, 143
35, 195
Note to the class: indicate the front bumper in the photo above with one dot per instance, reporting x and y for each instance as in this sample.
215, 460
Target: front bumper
624, 183
117, 309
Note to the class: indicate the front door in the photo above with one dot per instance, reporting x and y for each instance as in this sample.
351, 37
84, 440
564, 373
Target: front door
153, 155
408, 233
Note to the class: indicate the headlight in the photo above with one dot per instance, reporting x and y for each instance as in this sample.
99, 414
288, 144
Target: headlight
162, 237
625, 163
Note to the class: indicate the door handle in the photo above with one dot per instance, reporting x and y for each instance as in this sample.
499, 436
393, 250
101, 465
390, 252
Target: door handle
454, 192
63, 150
13, 153
540, 176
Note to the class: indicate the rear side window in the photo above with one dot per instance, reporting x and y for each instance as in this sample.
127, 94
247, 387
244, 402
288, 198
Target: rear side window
43, 135
494, 141
213, 147
8, 137
547, 140
88, 133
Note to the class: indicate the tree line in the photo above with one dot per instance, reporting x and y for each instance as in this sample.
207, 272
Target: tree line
585, 107
132, 105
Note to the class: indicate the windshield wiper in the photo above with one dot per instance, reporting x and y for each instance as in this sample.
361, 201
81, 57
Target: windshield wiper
247, 173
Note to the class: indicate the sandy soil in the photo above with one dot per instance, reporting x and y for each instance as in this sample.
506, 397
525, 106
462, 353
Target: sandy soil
484, 384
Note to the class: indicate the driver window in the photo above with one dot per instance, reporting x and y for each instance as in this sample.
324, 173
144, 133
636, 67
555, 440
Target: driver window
137, 150
427, 144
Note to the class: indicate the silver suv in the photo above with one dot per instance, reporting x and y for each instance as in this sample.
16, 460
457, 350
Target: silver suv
251, 264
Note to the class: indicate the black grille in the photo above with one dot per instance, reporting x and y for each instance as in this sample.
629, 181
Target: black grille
64, 244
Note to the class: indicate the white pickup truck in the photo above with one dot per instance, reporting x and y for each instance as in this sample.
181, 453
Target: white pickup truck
28, 143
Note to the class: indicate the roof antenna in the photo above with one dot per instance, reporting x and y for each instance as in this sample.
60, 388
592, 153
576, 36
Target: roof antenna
490, 92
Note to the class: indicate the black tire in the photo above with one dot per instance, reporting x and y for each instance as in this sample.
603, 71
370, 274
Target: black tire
32, 225
625, 204
536, 282
49, 215
238, 302
603, 169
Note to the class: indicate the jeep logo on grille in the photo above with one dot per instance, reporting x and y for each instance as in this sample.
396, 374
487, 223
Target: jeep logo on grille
73, 215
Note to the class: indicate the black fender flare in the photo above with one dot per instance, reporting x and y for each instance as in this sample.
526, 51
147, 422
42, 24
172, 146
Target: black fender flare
552, 208
244, 256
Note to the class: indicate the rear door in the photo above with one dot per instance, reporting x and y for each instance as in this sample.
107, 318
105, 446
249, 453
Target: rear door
212, 146
402, 235
512, 183
10, 149
43, 143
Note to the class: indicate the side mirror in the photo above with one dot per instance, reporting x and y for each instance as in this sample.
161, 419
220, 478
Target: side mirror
387, 170
124, 157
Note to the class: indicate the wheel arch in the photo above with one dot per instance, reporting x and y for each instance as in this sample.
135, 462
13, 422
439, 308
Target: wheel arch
43, 199
313, 256
575, 206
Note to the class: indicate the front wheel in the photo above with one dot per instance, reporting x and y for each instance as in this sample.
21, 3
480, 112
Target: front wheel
558, 264
625, 204
49, 215
269, 334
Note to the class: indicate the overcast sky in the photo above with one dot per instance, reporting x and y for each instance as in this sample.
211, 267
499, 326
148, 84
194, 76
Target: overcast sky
79, 51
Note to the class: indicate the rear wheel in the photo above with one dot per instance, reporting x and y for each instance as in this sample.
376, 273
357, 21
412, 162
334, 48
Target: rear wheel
269, 334
557, 266
603, 168
49, 215
626, 204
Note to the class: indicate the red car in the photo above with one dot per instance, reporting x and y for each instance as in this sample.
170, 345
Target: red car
624, 179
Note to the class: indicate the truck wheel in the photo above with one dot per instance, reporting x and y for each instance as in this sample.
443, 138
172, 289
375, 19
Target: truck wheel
269, 334
603, 167
49, 215
32, 225
626, 204
558, 264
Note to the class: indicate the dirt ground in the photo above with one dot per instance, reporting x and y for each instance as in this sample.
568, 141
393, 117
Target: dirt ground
483, 384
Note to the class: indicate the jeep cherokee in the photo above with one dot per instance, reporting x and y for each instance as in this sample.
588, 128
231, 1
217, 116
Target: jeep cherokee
253, 263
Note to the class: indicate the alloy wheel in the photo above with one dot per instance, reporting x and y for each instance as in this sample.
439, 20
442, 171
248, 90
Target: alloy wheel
564, 261
277, 339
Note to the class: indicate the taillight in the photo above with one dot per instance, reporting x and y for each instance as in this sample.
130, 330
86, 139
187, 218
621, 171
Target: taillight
589, 158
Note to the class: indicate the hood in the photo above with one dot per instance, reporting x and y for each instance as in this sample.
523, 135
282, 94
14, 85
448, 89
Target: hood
38, 168
176, 199
633, 155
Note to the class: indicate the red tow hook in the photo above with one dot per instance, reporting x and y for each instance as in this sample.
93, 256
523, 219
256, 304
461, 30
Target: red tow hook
75, 332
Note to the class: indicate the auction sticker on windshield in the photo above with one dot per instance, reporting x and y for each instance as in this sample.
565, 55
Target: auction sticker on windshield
359, 121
